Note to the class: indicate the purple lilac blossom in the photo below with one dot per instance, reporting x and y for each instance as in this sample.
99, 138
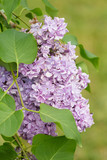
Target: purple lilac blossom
32, 124
53, 78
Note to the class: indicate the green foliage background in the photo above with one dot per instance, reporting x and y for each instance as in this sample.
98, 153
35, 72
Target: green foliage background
87, 20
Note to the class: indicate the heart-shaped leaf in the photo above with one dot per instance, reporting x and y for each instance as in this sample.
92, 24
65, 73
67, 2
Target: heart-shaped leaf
10, 120
17, 47
64, 119
46, 147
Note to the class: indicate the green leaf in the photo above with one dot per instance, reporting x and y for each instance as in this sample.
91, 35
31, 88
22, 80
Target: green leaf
46, 147
89, 56
29, 15
17, 47
10, 120
9, 6
7, 152
37, 11
52, 11
63, 118
84, 69
7, 99
8, 66
70, 38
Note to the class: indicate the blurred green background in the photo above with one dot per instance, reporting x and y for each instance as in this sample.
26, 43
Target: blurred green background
87, 20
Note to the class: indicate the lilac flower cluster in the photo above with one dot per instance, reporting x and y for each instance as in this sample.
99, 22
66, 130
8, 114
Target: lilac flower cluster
52, 78
32, 124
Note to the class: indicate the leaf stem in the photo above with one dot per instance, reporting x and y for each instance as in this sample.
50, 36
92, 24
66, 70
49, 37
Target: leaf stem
23, 107
31, 110
17, 71
7, 90
21, 145
21, 20
19, 94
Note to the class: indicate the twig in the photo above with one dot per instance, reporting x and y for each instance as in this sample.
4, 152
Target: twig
21, 146
21, 20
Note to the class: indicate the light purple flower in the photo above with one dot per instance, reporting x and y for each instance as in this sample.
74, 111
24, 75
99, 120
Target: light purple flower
53, 78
